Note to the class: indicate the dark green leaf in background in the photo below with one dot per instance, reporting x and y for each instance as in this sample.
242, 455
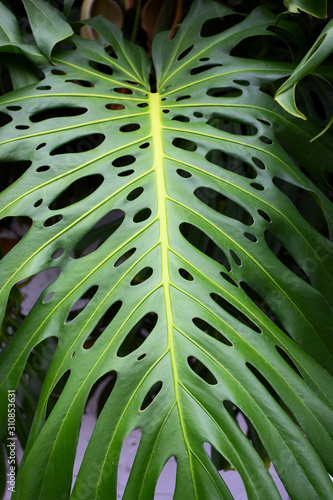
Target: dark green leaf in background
47, 25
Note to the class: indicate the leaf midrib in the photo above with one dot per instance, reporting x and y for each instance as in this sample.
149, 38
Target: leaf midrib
162, 197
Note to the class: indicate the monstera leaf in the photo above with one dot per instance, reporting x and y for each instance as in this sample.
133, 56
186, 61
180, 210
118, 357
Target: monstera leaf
194, 269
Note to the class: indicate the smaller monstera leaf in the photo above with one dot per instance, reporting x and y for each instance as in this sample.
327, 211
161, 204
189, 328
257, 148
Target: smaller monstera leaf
190, 275
317, 8
322, 49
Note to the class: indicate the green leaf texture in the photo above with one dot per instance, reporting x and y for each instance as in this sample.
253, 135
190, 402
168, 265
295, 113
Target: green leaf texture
321, 50
47, 24
317, 8
196, 184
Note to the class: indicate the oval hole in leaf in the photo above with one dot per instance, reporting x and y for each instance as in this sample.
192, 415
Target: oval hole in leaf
80, 145
244, 83
53, 220
143, 215
151, 395
58, 72
46, 114
231, 163
142, 276
228, 278
257, 186
184, 53
81, 303
133, 195
56, 393
138, 334
144, 145
288, 360
81, 83
223, 205
123, 90
48, 297
202, 242
229, 308
225, 92
232, 126
102, 68
124, 257
99, 233
58, 253
260, 164
235, 257
126, 173
40, 146
265, 122
77, 191
130, 127
264, 215
251, 237
181, 118
103, 323
211, 331
201, 370
181, 98
183, 173
184, 144
115, 107
201, 69
262, 380
185, 274
265, 139
44, 87
14, 108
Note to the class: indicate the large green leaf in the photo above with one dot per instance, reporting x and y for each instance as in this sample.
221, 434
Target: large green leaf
188, 301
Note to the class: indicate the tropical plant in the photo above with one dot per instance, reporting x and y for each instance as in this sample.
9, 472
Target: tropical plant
188, 216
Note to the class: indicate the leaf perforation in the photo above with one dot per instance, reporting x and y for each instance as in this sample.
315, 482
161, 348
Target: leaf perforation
262, 269
61, 176
259, 200
220, 430
264, 416
78, 125
100, 76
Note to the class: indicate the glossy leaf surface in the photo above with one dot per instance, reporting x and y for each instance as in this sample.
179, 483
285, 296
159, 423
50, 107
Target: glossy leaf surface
181, 294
